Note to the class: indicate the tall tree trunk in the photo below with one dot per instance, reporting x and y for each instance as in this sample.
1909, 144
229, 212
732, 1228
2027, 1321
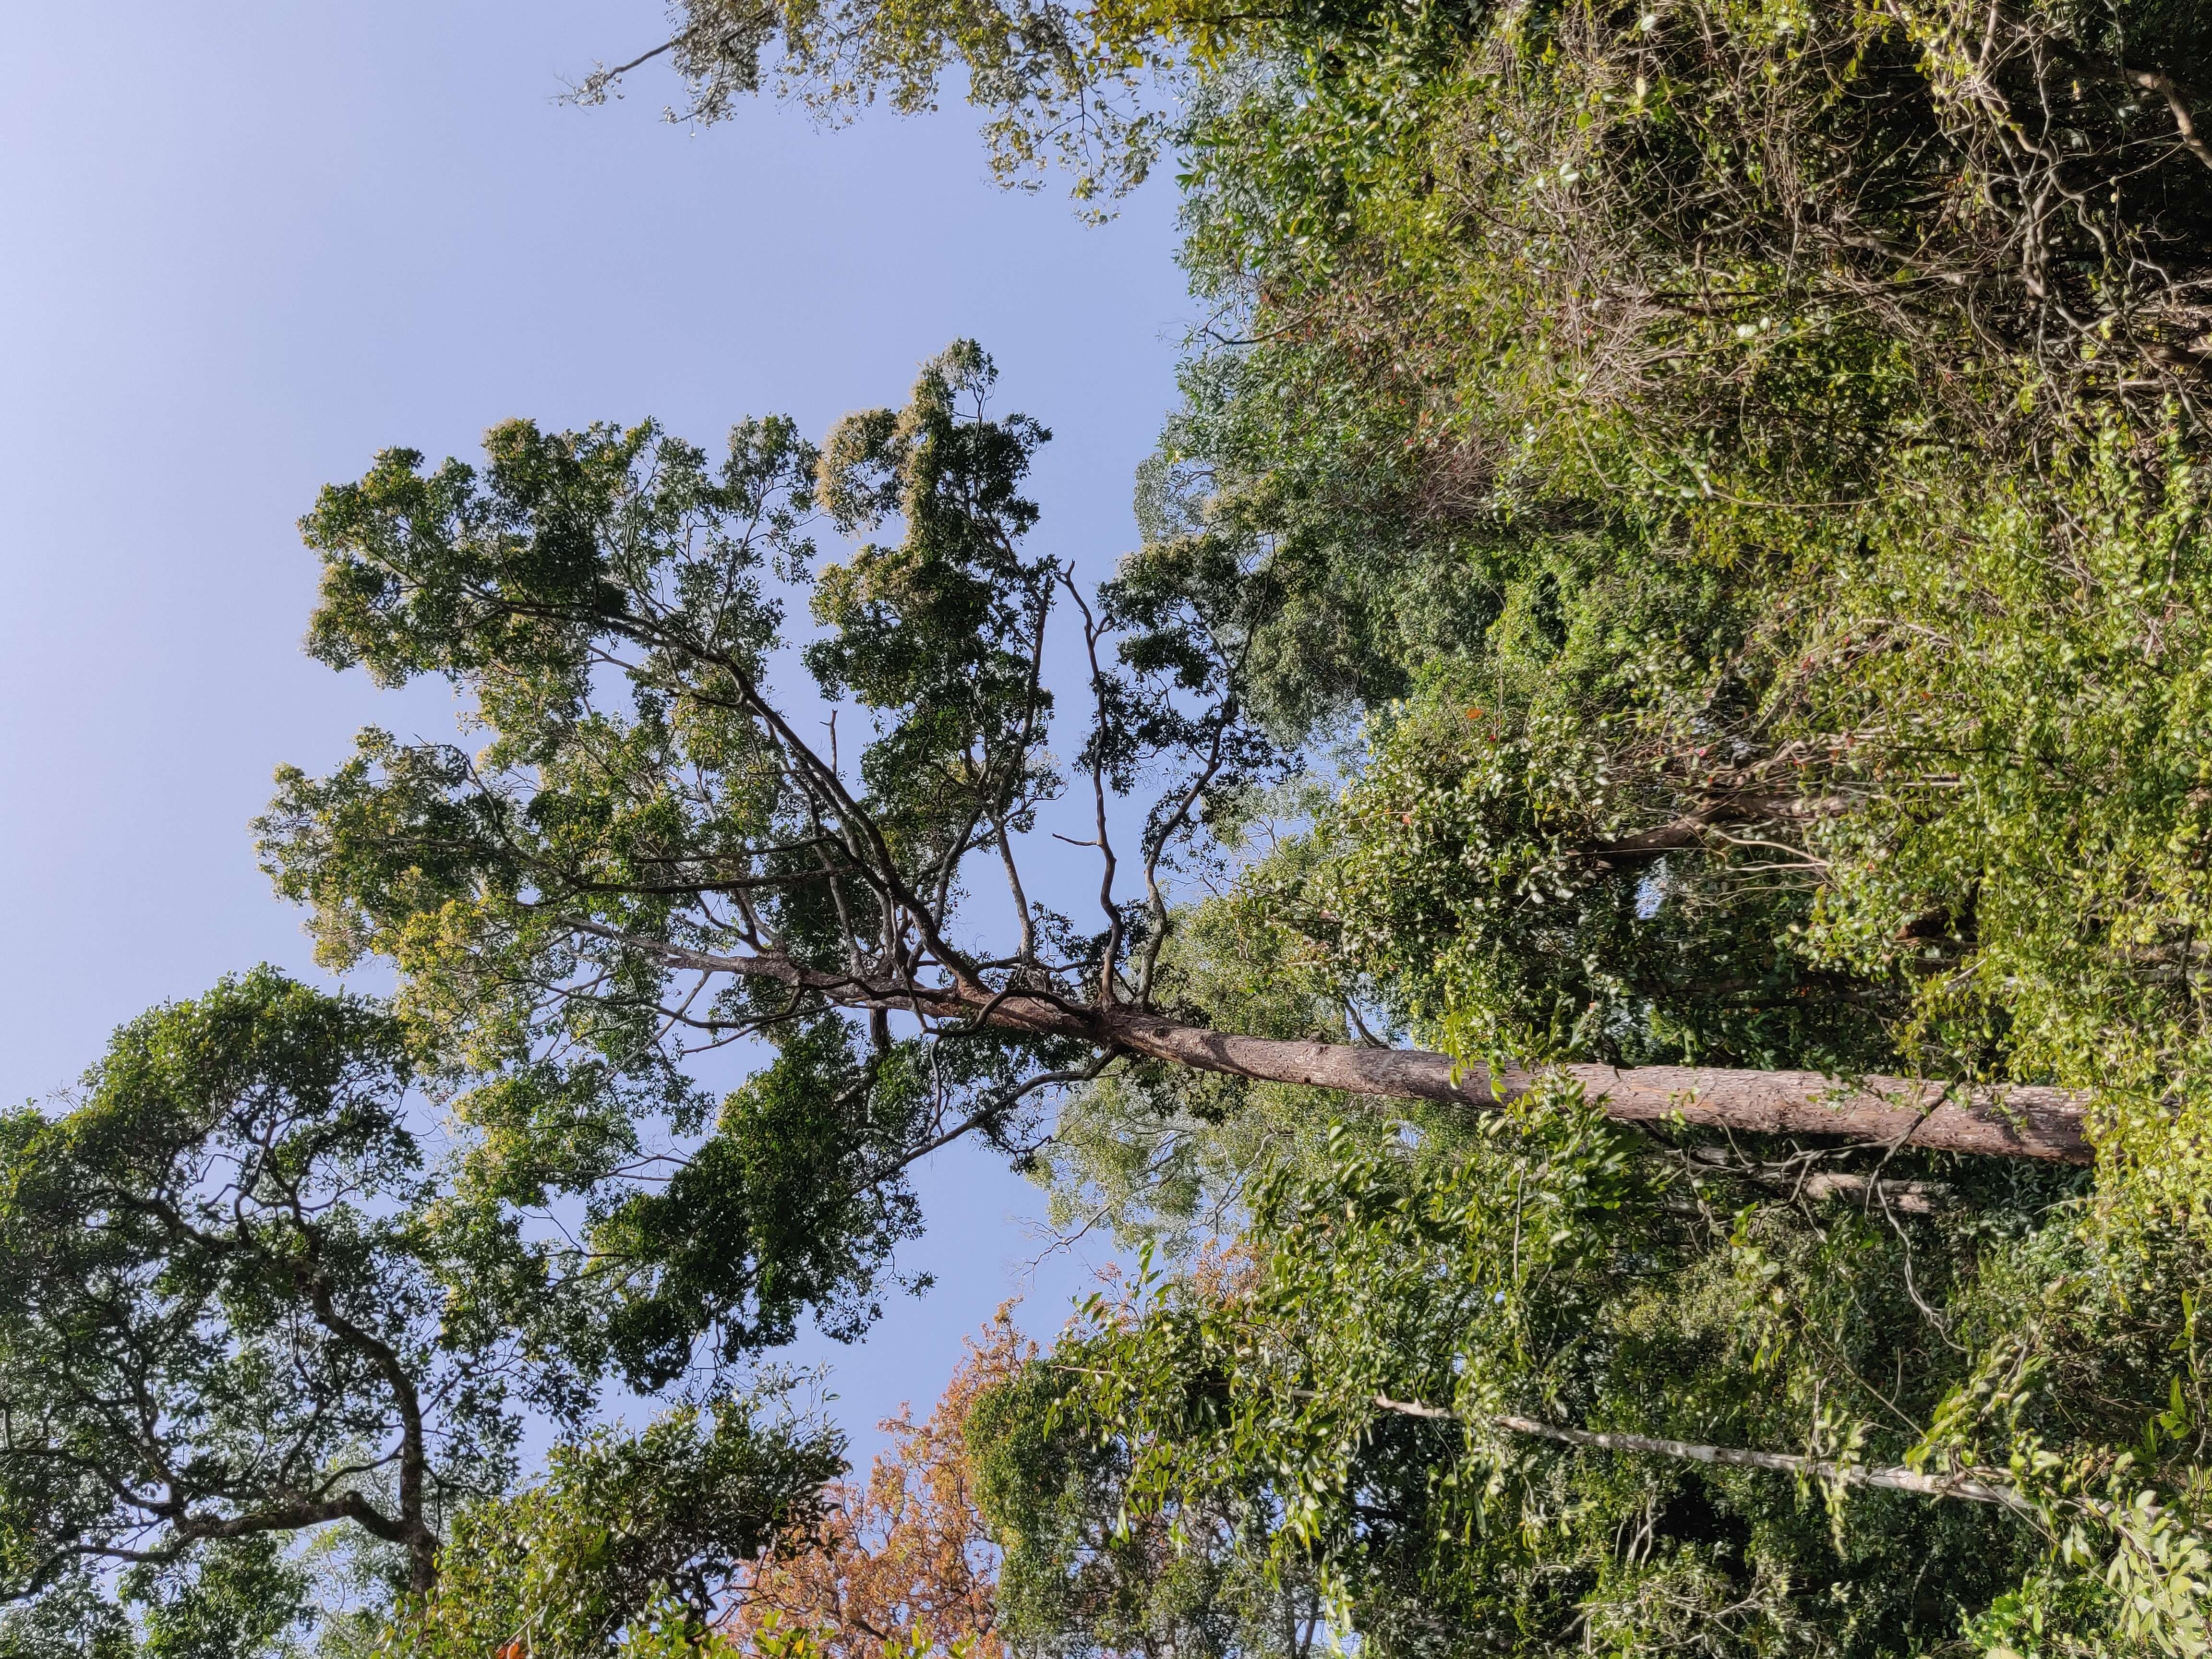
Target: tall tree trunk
2010, 1121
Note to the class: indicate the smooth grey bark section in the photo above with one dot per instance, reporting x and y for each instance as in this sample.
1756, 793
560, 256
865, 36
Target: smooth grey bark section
2011, 1120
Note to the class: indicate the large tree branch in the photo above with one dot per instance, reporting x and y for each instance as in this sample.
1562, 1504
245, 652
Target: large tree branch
1894, 1478
296, 1513
2159, 82
1698, 827
2005, 1120
411, 1529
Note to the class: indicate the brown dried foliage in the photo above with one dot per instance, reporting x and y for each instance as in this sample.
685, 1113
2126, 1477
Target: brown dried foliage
905, 1554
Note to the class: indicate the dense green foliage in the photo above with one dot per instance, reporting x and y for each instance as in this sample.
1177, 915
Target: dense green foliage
1693, 550
619, 1533
1080, 1574
1735, 475
242, 1310
1549, 1267
221, 1297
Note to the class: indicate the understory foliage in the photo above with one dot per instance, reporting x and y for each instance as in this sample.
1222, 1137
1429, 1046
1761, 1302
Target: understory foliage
1353, 1388
1727, 483
1738, 468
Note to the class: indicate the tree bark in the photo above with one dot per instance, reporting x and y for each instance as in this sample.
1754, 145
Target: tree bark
2013, 1120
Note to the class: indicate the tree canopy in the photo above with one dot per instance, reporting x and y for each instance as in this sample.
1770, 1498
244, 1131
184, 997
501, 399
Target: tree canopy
242, 1311
233, 1200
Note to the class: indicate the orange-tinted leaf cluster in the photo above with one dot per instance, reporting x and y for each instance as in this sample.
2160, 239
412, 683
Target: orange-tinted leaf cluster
904, 1555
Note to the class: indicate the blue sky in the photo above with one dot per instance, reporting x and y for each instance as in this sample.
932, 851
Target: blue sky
245, 245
